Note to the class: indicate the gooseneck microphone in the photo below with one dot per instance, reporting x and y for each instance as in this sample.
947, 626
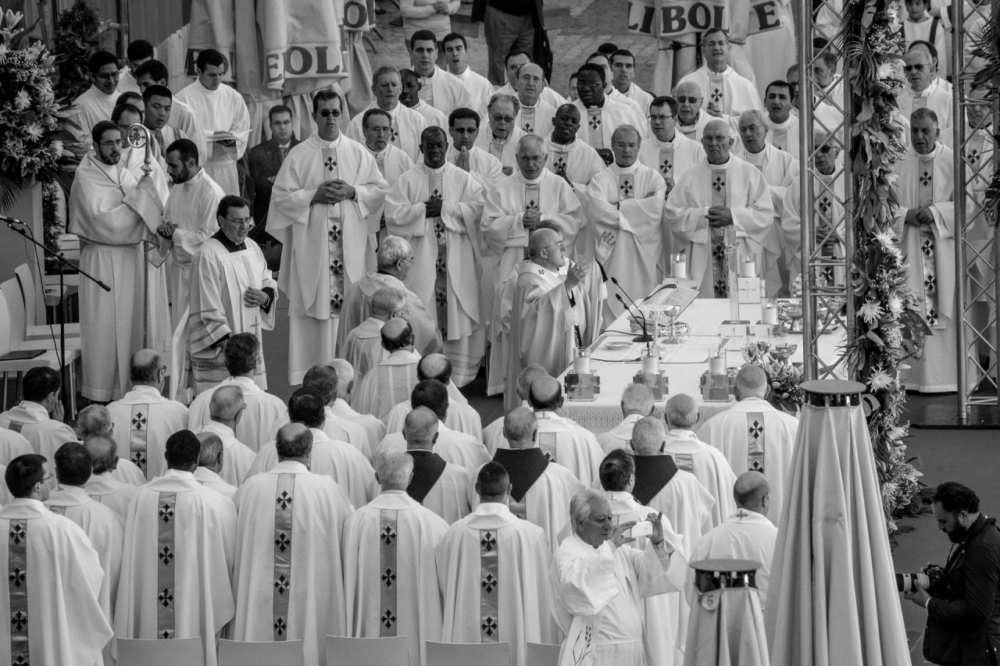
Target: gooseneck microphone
645, 337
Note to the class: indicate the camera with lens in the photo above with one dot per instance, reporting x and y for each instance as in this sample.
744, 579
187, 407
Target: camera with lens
907, 582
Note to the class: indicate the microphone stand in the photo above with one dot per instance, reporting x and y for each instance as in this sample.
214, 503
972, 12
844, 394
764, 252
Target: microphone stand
21, 228
645, 337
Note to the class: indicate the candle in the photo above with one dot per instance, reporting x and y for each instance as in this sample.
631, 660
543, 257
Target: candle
748, 268
581, 365
717, 365
770, 315
679, 267
650, 364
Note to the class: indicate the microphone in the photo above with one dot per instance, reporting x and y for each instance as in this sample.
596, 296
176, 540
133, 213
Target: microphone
11, 220
645, 337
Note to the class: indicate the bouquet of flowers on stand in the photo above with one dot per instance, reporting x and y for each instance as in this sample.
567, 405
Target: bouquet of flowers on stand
783, 377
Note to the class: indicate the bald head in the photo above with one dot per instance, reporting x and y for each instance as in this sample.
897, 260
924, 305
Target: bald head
294, 442
396, 335
531, 69
687, 89
527, 376
752, 492
637, 399
681, 411
717, 127
751, 382
545, 394
420, 429
226, 404
434, 366
144, 368
519, 427
648, 435
541, 239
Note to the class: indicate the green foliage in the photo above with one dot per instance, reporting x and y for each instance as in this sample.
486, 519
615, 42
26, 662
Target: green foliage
79, 33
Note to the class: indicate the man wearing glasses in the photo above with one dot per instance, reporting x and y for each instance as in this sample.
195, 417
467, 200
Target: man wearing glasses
502, 134
234, 293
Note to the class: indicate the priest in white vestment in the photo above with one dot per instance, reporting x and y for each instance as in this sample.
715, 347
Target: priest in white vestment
535, 116
436, 207
501, 135
225, 410
210, 464
722, 201
463, 128
691, 118
667, 149
925, 91
926, 223
623, 79
626, 199
341, 407
461, 416
322, 202
754, 436
51, 607
571, 157
438, 485
405, 124
600, 115
727, 92
102, 486
601, 580
783, 123
512, 63
337, 459
143, 419
540, 489
690, 454
325, 378
392, 162
748, 534
493, 571
287, 578
95, 419
390, 577
412, 98
603, 60
111, 236
223, 116
39, 416
493, 436
263, 413
390, 382
437, 87
363, 344
636, 403
180, 539
98, 101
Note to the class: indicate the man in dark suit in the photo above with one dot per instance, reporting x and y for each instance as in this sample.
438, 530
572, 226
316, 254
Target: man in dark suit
263, 161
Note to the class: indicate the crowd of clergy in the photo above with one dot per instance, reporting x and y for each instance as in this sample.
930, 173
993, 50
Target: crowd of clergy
450, 226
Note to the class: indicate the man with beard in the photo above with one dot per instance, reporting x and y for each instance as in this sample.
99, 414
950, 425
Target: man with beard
463, 126
572, 158
502, 133
412, 85
189, 218
405, 123
535, 116
962, 614
111, 235
179, 116
603, 115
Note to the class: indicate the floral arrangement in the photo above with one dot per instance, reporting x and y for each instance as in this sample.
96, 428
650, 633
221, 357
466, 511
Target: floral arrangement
986, 44
888, 327
783, 378
30, 117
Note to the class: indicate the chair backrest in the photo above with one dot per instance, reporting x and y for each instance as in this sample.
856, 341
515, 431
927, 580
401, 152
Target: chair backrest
4, 325
151, 652
389, 651
15, 312
466, 654
540, 654
29, 290
238, 653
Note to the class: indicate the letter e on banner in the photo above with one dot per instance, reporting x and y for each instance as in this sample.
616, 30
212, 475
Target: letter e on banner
764, 16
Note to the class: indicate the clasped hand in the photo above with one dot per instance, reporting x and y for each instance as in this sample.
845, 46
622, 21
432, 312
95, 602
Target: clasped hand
720, 216
333, 192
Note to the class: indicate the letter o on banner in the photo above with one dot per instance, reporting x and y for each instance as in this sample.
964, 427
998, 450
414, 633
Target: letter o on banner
297, 66
700, 17
355, 15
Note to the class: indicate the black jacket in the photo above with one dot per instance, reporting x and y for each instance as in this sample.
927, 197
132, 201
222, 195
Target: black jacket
963, 616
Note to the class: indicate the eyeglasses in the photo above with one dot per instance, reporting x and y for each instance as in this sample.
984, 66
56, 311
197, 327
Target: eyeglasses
686, 100
826, 149
240, 221
559, 246
502, 119
326, 113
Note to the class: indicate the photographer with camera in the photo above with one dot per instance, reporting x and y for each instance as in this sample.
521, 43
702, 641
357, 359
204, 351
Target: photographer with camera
963, 607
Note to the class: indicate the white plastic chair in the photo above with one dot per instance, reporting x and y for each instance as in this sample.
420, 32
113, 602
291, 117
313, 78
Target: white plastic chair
389, 651
464, 654
19, 311
240, 653
541, 654
35, 330
152, 652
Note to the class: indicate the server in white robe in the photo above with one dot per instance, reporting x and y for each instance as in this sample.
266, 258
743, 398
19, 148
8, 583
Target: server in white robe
210, 465
461, 416
463, 127
287, 578
391, 381
626, 199
623, 79
437, 87
456, 55
98, 101
691, 118
601, 115
661, 613
438, 485
454, 447
322, 201
600, 582
925, 91
748, 534
727, 92
111, 235
388, 556
394, 259
636, 403
405, 124
226, 409
503, 134
177, 566
335, 458
690, 454
223, 116
436, 207
783, 123
754, 436
721, 192
190, 218
143, 419
51, 605
264, 412
926, 223
102, 486
570, 157
535, 116
174, 113
540, 489
493, 571
341, 407
39, 416
104, 527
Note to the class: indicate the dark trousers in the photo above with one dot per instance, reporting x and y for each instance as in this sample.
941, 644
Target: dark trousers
504, 33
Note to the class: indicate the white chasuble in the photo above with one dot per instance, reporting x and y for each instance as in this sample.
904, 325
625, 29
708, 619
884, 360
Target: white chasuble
220, 110
390, 577
143, 421
50, 607
493, 571
741, 188
671, 159
309, 231
444, 91
362, 347
439, 485
288, 559
504, 150
177, 565
484, 167
110, 492
357, 309
264, 412
729, 92
387, 385
404, 130
45, 434
564, 442
536, 119
785, 135
829, 220
445, 264
576, 161
708, 465
597, 124
628, 202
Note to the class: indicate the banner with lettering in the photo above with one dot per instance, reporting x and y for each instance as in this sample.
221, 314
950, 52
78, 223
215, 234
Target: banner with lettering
680, 17
212, 27
301, 45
